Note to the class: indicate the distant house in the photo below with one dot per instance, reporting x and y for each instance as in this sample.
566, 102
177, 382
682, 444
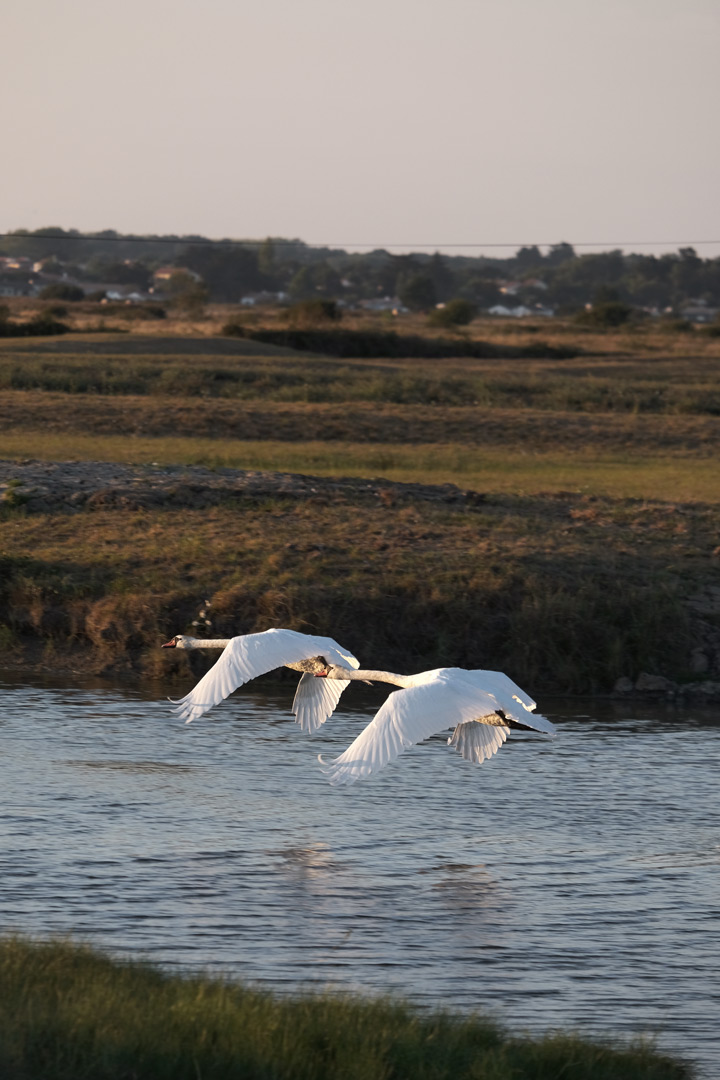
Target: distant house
20, 263
163, 274
259, 298
383, 303
520, 311
129, 294
698, 311
512, 288
16, 285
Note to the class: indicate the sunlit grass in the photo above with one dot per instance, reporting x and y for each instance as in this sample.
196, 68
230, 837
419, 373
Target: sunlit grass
499, 469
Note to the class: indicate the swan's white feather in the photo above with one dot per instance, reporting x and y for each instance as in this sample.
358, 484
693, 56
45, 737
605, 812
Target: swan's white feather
315, 700
432, 702
249, 655
477, 741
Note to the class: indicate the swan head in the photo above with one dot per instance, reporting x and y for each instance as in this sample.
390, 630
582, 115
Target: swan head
180, 641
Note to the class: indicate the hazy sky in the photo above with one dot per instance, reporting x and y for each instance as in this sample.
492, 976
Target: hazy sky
381, 122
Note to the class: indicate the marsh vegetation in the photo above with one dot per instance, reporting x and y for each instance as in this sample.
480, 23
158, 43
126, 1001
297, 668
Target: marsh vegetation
594, 527
66, 1011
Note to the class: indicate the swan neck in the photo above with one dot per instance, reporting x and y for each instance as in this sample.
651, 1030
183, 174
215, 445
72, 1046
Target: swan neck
206, 643
368, 675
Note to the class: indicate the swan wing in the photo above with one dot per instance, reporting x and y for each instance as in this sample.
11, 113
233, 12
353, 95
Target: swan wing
409, 716
249, 655
316, 700
513, 702
478, 741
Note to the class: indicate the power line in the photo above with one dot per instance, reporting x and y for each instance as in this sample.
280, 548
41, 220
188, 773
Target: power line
201, 242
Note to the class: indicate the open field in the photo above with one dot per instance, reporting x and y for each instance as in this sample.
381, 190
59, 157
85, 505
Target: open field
591, 552
67, 1012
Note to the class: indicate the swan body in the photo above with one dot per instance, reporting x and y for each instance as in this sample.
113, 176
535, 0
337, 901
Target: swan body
481, 706
249, 655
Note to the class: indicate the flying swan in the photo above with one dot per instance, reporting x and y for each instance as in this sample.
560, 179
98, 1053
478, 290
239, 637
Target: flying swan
249, 655
481, 706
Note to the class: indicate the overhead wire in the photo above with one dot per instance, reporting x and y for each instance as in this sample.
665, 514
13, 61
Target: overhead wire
188, 241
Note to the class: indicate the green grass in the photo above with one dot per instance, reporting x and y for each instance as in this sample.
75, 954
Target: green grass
68, 1013
499, 468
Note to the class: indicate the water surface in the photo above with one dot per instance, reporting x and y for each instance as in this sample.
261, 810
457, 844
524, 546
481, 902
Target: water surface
567, 882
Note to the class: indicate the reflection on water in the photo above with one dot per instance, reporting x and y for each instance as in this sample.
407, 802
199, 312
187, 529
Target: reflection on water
566, 882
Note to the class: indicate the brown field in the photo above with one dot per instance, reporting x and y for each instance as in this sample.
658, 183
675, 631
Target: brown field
592, 552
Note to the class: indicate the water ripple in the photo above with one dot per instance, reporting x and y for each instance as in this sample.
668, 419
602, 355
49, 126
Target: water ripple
571, 882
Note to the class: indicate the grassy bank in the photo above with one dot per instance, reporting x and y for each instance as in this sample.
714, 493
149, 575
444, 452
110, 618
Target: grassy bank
564, 594
68, 1012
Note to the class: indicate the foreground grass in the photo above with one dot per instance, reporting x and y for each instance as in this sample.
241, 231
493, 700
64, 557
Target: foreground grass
68, 1012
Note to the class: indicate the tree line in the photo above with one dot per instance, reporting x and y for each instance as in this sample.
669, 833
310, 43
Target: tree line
560, 277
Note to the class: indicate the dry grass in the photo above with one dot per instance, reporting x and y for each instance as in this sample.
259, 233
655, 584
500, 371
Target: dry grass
601, 517
498, 468
563, 593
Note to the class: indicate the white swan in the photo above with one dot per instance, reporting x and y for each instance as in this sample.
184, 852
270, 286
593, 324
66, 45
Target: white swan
249, 655
482, 706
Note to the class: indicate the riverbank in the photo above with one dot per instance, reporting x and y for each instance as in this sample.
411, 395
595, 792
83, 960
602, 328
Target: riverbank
67, 1011
101, 562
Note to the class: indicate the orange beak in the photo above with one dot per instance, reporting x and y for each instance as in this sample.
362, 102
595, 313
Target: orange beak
169, 644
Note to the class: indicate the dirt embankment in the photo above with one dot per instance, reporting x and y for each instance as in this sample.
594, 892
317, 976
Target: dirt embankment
49, 486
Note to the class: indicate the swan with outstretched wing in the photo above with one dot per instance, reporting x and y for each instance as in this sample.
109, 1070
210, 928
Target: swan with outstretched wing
247, 656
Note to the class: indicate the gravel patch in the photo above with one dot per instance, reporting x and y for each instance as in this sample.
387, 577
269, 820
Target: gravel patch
71, 486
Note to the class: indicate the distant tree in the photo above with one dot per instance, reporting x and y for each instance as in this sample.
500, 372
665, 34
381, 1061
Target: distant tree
187, 293
301, 286
442, 277
119, 271
417, 292
228, 272
559, 253
481, 292
311, 280
266, 258
528, 258
687, 277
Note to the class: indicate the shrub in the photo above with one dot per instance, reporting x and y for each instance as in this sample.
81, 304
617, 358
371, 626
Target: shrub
42, 325
62, 291
606, 315
312, 312
454, 313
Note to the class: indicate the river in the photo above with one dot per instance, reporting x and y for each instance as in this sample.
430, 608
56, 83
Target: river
567, 882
